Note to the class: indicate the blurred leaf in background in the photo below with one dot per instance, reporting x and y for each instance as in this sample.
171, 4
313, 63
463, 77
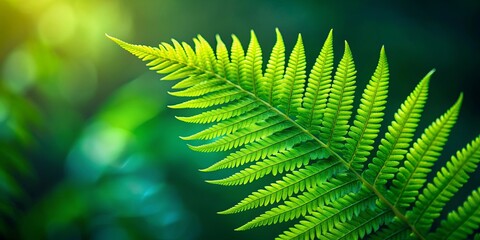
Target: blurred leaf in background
89, 149
17, 115
115, 187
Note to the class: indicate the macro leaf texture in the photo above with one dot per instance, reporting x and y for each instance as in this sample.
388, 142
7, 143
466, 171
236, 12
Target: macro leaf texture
337, 176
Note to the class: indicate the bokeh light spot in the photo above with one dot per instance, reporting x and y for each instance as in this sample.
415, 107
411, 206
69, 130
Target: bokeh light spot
57, 24
104, 144
100, 147
19, 70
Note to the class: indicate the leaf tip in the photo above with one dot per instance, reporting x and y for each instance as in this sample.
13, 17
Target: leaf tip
460, 99
217, 182
347, 47
224, 212
253, 36
218, 39
330, 36
241, 228
236, 40
176, 106
116, 40
278, 34
183, 119
383, 55
430, 73
192, 147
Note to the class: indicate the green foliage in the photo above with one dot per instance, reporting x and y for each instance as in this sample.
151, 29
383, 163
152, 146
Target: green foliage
17, 117
330, 180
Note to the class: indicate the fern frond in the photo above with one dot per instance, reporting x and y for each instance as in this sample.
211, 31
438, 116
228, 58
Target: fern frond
251, 68
201, 89
274, 71
395, 230
224, 113
190, 81
288, 93
210, 100
462, 222
291, 183
393, 146
369, 116
361, 226
339, 105
307, 202
228, 126
278, 123
315, 97
267, 147
236, 64
223, 60
243, 136
444, 186
205, 55
326, 218
286, 160
421, 157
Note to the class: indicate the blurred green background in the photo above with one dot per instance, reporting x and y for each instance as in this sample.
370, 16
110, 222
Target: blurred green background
88, 149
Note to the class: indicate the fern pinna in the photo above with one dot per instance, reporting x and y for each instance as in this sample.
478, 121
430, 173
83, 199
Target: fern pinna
331, 182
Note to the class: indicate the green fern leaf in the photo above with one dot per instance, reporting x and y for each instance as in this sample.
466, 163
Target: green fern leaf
307, 202
326, 219
281, 162
288, 93
395, 230
251, 67
400, 133
422, 156
232, 125
217, 98
267, 147
290, 184
444, 186
223, 60
369, 116
318, 88
224, 113
238, 57
366, 223
462, 222
206, 57
279, 123
340, 101
274, 71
